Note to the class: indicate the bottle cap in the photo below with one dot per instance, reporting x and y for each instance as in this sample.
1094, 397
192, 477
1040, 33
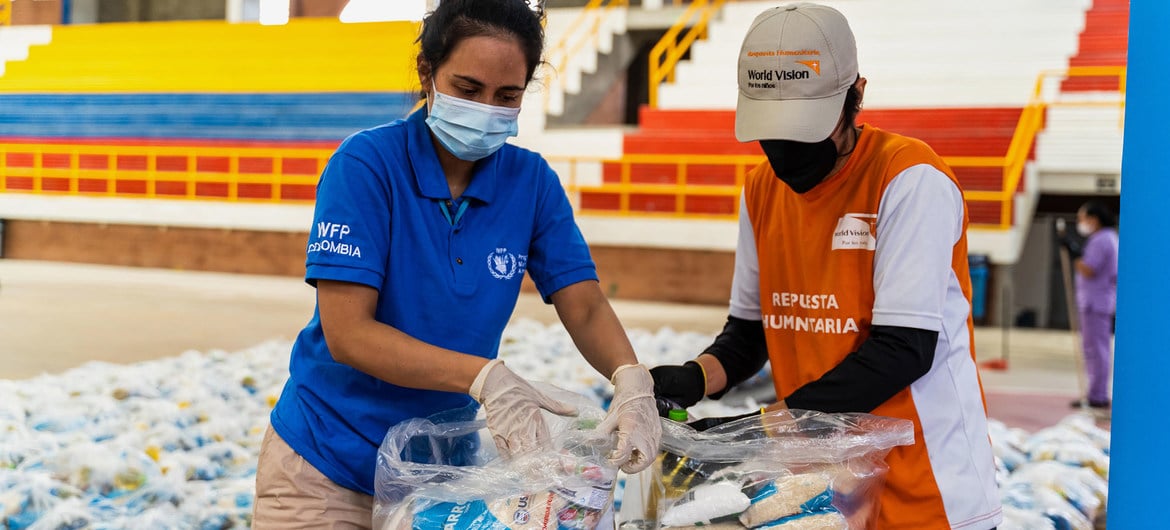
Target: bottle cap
678, 415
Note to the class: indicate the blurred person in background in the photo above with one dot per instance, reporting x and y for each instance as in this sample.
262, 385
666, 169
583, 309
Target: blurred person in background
1095, 265
422, 233
851, 275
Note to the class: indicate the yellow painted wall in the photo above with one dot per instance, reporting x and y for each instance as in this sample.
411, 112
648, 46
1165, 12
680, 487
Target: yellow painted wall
306, 55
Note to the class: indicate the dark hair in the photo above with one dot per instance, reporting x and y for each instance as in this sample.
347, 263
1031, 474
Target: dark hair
1102, 213
456, 20
852, 103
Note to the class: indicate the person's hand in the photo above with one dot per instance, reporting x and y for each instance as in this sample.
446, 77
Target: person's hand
1067, 241
513, 409
1072, 246
682, 385
633, 414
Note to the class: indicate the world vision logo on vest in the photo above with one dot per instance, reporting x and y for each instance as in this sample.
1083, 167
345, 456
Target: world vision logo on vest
855, 231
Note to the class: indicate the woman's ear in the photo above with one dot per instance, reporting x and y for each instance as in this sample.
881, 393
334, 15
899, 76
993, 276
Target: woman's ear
425, 79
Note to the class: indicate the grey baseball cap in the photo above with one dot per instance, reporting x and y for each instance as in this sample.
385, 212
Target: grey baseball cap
796, 65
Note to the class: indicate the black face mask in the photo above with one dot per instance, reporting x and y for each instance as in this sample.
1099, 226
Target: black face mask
801, 165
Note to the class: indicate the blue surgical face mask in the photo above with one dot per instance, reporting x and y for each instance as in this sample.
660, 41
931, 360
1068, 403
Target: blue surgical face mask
470, 130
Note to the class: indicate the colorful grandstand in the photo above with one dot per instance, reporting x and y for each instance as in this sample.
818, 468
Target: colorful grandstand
244, 113
125, 109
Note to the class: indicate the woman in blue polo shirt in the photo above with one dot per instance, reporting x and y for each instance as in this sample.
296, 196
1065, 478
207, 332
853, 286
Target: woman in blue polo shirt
422, 233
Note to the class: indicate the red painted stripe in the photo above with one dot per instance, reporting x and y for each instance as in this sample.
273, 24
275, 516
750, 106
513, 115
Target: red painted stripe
950, 132
723, 120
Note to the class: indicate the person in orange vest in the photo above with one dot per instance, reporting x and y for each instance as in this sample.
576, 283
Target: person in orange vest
851, 274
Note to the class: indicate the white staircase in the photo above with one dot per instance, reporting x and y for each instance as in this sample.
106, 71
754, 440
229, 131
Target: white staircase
1080, 149
547, 93
16, 40
567, 65
915, 53
578, 61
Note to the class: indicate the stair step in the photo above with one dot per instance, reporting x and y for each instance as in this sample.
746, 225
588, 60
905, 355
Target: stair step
244, 117
675, 120
1103, 42
686, 120
1090, 84
951, 132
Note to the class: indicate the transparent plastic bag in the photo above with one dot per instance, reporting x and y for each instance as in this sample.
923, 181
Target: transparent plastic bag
444, 472
796, 470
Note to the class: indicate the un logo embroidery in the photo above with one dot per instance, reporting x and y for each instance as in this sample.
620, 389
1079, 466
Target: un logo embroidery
504, 265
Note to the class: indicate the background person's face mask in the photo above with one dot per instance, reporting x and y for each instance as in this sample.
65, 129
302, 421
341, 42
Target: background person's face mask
467, 129
801, 165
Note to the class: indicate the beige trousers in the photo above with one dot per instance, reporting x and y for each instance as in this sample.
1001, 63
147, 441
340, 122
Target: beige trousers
292, 494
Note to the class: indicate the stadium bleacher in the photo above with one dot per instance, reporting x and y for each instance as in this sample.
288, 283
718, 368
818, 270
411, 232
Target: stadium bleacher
215, 87
963, 98
310, 80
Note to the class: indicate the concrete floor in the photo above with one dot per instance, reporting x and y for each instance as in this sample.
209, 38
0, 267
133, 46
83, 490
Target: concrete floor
55, 316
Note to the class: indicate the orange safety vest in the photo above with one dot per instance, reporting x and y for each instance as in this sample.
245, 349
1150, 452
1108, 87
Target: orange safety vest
816, 285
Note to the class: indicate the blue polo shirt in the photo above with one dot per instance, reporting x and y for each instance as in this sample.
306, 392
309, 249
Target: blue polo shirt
448, 275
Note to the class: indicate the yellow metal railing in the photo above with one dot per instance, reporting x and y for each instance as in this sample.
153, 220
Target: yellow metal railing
585, 29
256, 174
1030, 124
1013, 162
669, 50
1117, 72
679, 183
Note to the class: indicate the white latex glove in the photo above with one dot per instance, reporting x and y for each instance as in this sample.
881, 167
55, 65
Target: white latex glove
634, 416
513, 409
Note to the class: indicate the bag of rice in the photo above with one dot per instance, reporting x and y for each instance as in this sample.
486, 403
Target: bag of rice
788, 496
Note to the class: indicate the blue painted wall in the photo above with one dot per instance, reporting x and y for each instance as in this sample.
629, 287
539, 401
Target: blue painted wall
1140, 463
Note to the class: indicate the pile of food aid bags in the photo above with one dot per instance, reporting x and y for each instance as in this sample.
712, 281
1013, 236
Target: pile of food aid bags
172, 444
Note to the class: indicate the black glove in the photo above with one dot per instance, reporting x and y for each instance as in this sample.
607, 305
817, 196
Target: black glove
1072, 245
703, 424
683, 385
